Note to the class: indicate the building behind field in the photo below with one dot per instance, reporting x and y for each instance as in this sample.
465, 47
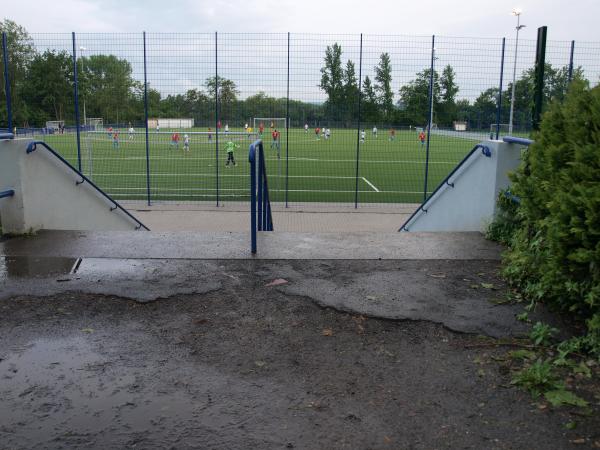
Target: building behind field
171, 123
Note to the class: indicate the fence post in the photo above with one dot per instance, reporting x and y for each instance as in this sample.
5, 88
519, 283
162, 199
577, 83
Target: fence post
7, 83
430, 117
146, 123
571, 62
540, 62
253, 223
499, 112
287, 123
76, 102
217, 117
358, 121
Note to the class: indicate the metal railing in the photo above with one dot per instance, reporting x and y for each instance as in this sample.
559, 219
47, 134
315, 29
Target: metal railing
32, 146
7, 193
261, 218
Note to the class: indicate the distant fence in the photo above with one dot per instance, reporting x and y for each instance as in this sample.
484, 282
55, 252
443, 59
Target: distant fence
374, 94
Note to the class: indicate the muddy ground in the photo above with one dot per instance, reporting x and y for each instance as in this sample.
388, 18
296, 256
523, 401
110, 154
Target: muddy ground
244, 365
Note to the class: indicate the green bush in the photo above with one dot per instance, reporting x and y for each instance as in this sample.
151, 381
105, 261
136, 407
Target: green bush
554, 253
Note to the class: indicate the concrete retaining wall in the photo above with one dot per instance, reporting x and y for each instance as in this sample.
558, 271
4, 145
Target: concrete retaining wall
47, 195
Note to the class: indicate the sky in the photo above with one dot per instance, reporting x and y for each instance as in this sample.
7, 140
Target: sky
566, 19
257, 62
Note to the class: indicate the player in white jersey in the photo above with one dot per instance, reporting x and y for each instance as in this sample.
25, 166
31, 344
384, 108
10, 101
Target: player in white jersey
186, 143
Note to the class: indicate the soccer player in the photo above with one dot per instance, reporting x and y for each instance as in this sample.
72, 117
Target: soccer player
157, 127
261, 128
422, 138
110, 131
246, 127
226, 128
327, 133
392, 134
186, 143
131, 131
209, 134
362, 136
116, 139
275, 141
175, 140
230, 147
375, 131
318, 132
272, 125
306, 128
218, 125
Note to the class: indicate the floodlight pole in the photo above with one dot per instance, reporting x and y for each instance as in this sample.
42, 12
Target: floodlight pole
517, 13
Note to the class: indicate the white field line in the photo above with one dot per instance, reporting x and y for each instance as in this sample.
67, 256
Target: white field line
212, 174
166, 159
159, 189
370, 184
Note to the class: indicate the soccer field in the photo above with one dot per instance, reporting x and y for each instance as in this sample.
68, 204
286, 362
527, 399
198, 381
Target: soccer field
309, 170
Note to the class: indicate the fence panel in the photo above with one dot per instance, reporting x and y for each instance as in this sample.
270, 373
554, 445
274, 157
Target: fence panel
323, 119
253, 78
367, 95
181, 68
43, 96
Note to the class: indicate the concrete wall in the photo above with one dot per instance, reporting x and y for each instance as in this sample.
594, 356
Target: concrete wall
471, 204
47, 196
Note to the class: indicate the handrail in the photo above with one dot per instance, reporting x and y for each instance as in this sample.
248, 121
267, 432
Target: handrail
261, 218
484, 150
7, 193
4, 136
517, 140
32, 146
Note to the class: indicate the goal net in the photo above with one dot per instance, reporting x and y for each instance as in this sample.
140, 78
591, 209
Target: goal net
94, 124
54, 125
269, 123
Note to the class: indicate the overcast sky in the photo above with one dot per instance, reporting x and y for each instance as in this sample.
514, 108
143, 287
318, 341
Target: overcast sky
566, 19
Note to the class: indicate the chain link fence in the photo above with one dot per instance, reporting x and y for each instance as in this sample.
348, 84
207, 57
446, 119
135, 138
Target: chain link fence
158, 117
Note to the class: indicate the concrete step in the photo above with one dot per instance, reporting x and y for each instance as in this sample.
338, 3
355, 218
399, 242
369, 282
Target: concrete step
271, 245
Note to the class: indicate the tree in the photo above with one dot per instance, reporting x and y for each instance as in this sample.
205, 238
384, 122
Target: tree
48, 88
332, 80
350, 91
20, 54
370, 110
449, 89
415, 98
485, 109
383, 87
227, 95
107, 85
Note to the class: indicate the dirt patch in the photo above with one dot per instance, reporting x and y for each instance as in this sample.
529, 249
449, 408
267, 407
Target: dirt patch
249, 366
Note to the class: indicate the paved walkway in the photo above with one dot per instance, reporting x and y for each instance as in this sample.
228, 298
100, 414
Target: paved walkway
271, 245
304, 218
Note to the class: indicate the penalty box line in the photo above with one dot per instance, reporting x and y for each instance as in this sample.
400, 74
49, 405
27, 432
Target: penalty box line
370, 184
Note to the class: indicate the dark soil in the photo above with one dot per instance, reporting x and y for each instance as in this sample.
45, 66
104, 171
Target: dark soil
251, 367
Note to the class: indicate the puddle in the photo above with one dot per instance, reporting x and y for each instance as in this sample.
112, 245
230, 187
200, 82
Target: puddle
35, 267
64, 383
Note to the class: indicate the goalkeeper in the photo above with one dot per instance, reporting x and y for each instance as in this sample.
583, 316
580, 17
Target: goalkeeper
230, 147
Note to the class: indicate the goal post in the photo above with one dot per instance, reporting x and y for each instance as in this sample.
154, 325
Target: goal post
94, 124
504, 127
279, 123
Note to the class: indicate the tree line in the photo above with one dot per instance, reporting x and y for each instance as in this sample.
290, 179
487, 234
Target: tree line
42, 89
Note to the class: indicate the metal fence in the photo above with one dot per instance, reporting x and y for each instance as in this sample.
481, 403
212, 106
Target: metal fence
349, 109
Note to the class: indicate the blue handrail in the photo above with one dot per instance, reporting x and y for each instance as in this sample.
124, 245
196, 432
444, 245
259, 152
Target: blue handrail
32, 146
4, 136
484, 150
517, 140
261, 218
7, 193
